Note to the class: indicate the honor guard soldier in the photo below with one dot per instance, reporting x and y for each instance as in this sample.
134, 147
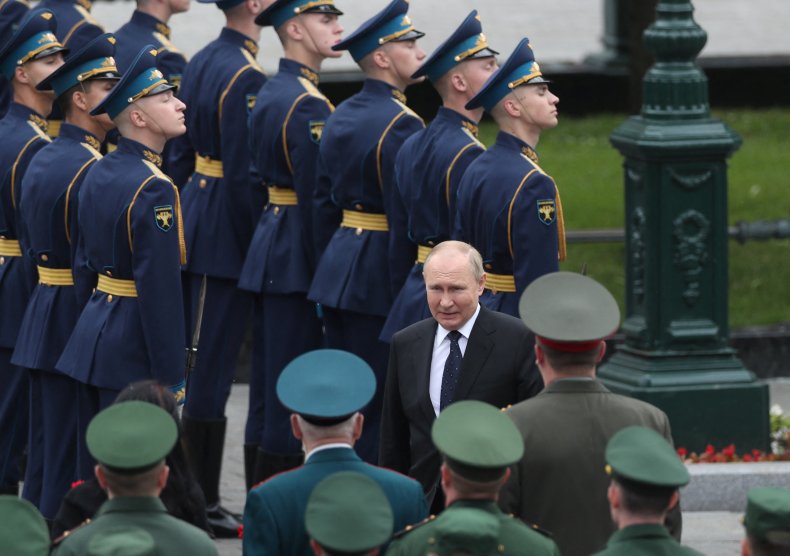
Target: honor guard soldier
130, 441
478, 443
26, 58
11, 12
508, 207
23, 531
222, 202
325, 390
76, 27
646, 474
767, 522
285, 131
353, 279
348, 513
48, 207
431, 162
131, 238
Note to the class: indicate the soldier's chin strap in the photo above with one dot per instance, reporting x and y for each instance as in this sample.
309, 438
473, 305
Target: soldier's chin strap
96, 119
161, 129
310, 35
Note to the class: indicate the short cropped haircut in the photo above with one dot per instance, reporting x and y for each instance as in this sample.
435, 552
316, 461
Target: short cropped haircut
475, 259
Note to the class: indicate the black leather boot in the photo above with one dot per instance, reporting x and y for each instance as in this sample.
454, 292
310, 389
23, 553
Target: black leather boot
204, 441
269, 463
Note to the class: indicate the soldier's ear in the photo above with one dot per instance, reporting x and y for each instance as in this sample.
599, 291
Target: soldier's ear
20, 74
381, 59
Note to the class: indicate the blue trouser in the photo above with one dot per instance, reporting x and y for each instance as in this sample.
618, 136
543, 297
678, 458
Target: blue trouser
34, 466
225, 314
286, 326
359, 334
90, 400
13, 418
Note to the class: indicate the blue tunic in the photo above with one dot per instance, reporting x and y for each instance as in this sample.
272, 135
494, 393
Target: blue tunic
428, 169
48, 207
509, 210
356, 272
144, 29
219, 88
129, 229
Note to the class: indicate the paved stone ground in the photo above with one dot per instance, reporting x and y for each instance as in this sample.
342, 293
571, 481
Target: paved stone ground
561, 31
712, 533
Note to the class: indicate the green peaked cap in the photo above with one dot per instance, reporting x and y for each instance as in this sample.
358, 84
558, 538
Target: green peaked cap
643, 456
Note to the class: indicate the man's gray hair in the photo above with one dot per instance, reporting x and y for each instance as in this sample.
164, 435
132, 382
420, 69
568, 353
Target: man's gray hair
475, 259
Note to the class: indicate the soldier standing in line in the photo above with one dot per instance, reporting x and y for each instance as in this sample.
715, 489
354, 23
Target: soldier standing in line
431, 163
48, 209
508, 207
221, 207
285, 132
26, 59
767, 522
131, 238
353, 280
11, 12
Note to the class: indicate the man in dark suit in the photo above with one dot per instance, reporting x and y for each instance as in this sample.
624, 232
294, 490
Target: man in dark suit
561, 483
325, 389
464, 352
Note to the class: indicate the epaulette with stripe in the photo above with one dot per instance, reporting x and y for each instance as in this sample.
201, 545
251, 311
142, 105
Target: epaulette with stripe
67, 534
409, 528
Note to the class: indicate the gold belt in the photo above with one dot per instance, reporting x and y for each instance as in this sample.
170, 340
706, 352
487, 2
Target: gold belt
116, 286
500, 282
55, 276
422, 253
365, 221
208, 166
282, 196
10, 248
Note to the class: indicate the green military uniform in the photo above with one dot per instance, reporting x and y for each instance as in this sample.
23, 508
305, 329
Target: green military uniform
767, 519
23, 531
641, 460
348, 512
478, 443
131, 438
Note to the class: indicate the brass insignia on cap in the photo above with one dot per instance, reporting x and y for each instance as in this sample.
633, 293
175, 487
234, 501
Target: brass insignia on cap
547, 210
399, 95
153, 157
309, 74
163, 216
406, 20
155, 75
316, 130
47, 37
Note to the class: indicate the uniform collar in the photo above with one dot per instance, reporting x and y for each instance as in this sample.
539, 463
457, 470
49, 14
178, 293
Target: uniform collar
338, 453
378, 87
292, 66
486, 505
76, 133
239, 39
147, 20
142, 504
572, 385
512, 142
26, 113
139, 150
453, 117
642, 531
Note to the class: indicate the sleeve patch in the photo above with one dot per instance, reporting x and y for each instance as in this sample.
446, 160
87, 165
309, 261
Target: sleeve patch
316, 130
547, 211
163, 216
251, 102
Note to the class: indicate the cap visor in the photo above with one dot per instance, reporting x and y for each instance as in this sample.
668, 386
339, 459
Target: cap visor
414, 34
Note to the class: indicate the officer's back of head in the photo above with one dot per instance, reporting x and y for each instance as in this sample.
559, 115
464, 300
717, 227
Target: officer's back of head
767, 522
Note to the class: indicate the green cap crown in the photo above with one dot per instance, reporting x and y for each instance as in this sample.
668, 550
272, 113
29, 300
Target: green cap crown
23, 531
643, 456
478, 440
348, 512
131, 436
768, 515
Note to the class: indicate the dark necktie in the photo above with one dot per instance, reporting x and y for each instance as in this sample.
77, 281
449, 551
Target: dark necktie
452, 370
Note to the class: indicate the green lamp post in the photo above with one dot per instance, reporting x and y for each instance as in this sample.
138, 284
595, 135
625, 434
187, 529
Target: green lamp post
676, 354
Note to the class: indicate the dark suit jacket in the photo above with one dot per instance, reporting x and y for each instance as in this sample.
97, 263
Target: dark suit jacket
498, 368
560, 483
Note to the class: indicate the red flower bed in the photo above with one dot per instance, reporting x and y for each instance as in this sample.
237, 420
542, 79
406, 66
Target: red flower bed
728, 454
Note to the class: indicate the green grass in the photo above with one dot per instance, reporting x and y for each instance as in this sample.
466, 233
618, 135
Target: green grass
588, 172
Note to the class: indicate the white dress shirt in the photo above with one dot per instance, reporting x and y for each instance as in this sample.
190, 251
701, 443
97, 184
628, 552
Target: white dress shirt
441, 350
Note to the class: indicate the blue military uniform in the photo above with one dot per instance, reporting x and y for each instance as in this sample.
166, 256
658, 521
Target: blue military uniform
132, 327
353, 279
11, 12
48, 208
76, 28
428, 169
509, 209
285, 132
22, 135
223, 199
325, 388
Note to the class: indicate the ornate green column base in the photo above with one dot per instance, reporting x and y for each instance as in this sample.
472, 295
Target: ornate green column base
710, 399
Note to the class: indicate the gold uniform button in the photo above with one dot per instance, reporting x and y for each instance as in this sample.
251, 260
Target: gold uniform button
488, 266
109, 273
358, 206
2, 260
109, 298
359, 231
44, 258
276, 211
501, 548
431, 244
202, 183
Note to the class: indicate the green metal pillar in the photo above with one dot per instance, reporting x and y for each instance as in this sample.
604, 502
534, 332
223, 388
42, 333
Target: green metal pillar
676, 354
616, 51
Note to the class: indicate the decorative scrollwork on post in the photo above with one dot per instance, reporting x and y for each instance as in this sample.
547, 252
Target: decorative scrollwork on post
691, 181
691, 231
638, 254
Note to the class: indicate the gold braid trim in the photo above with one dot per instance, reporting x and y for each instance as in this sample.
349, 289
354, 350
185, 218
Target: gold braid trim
563, 253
